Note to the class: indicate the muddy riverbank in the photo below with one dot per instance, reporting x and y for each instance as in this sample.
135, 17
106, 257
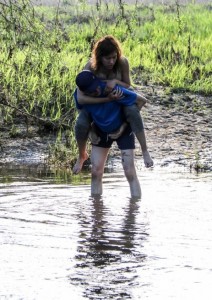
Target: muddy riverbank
178, 129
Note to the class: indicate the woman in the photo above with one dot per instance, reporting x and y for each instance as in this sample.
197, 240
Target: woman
108, 63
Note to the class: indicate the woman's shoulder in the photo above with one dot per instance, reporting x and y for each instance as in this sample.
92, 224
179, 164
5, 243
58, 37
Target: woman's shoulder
123, 61
87, 66
123, 65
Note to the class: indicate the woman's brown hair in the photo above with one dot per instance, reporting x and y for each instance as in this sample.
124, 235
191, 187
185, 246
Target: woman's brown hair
104, 47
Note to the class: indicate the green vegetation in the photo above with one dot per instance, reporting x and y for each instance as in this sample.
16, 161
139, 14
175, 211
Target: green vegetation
43, 48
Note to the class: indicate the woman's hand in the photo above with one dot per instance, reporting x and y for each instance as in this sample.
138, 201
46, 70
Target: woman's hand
115, 135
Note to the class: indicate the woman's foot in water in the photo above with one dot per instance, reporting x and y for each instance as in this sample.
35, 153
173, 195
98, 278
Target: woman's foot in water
79, 163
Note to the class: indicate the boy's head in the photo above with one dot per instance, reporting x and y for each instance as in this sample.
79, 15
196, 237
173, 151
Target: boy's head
87, 82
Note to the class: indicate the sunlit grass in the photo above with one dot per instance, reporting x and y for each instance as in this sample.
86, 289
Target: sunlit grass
43, 49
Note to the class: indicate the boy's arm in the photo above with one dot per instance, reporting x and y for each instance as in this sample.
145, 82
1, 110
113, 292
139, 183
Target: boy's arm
85, 99
130, 97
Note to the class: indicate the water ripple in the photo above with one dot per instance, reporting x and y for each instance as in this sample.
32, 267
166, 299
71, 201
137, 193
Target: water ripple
57, 242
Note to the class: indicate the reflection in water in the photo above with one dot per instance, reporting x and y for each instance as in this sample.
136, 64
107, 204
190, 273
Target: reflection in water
57, 243
109, 250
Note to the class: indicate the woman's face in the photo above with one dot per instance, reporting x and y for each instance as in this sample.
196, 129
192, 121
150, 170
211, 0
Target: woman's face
109, 61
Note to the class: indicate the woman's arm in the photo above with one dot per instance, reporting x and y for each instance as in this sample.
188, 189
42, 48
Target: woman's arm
125, 72
85, 99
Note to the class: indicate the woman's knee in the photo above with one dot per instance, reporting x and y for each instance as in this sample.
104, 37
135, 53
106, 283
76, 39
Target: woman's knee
97, 172
128, 164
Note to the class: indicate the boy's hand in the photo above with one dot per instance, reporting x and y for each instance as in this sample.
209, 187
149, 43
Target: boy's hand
116, 94
115, 135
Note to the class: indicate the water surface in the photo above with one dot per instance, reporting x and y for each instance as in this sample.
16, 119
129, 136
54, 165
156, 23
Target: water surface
56, 242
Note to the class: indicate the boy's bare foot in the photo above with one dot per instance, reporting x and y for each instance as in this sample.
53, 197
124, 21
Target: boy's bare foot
79, 163
147, 159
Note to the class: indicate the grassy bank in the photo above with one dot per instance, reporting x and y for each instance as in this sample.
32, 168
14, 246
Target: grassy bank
43, 48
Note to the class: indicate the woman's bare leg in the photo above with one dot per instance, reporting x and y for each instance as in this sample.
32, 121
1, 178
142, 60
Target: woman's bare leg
130, 173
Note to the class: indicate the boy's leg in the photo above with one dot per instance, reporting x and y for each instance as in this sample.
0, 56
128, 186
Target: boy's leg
133, 116
98, 159
130, 173
146, 155
82, 128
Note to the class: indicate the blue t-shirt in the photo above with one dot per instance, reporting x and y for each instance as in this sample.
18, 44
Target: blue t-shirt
108, 116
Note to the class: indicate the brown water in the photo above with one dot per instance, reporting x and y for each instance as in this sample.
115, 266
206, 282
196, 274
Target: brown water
58, 243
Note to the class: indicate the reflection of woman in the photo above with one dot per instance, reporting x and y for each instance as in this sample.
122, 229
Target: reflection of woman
109, 64
109, 251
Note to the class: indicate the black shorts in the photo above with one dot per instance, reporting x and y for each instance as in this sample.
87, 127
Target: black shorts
125, 142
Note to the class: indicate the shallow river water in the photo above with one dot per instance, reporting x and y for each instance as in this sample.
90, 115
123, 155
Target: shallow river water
58, 243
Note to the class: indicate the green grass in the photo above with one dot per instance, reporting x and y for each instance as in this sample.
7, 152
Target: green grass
43, 48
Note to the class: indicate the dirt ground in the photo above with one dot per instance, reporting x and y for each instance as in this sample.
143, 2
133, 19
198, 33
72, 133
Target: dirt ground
178, 131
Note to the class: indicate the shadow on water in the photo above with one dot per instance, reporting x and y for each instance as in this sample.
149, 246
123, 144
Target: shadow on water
57, 242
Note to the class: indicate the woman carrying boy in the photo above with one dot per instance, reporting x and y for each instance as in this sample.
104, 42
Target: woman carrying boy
108, 64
